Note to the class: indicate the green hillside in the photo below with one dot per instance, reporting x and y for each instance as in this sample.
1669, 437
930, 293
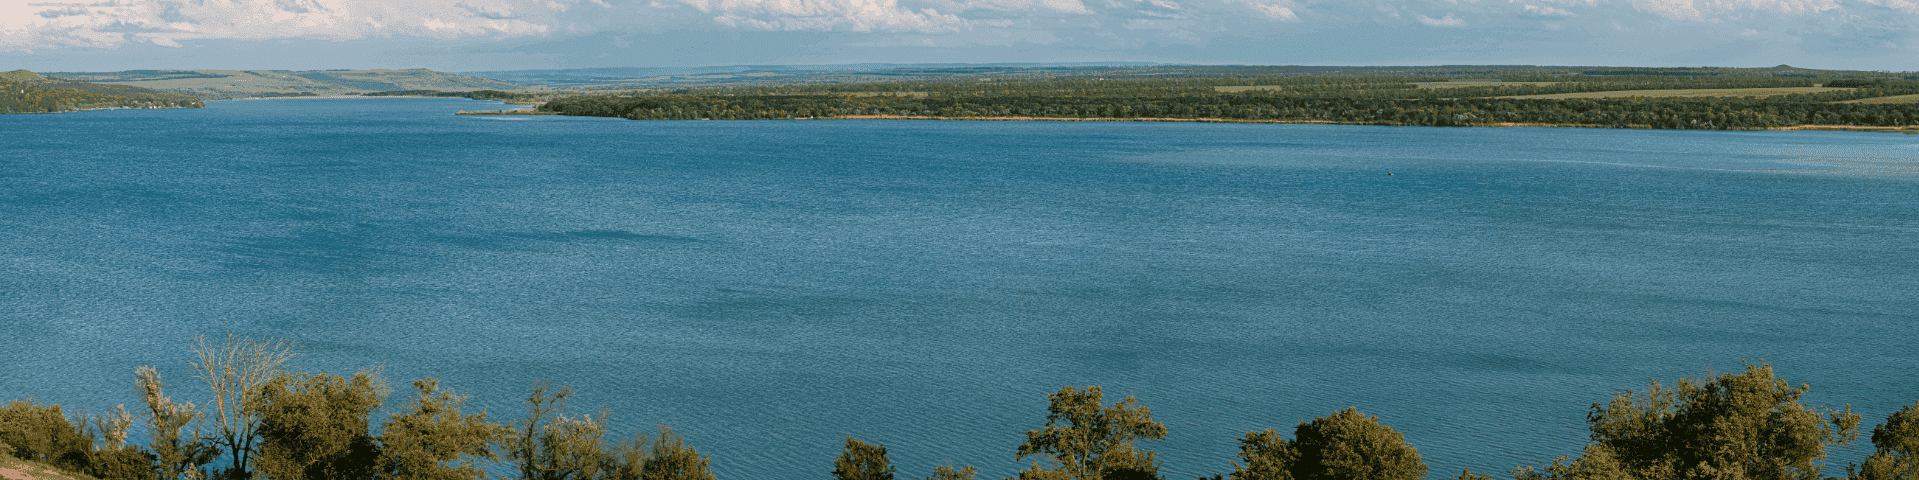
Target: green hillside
22, 91
227, 84
23, 76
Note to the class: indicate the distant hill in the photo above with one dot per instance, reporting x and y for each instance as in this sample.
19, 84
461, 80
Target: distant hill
22, 91
587, 79
226, 84
23, 76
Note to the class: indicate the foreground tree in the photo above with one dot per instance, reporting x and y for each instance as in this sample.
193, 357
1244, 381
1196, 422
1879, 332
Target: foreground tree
946, 472
234, 372
178, 453
1748, 425
550, 445
672, 459
1346, 445
1896, 453
314, 427
862, 461
1087, 440
432, 440
42, 433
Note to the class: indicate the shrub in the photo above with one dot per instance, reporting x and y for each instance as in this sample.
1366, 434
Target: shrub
946, 472
1744, 425
672, 459
432, 440
1090, 441
862, 461
314, 427
1346, 445
176, 453
43, 433
1896, 456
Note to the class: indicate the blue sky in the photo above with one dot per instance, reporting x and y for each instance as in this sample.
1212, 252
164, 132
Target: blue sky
474, 35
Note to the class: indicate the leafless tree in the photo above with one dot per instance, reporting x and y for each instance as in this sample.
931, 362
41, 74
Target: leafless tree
234, 371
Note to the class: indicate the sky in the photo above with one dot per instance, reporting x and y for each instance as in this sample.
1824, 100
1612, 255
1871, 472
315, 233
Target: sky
483, 35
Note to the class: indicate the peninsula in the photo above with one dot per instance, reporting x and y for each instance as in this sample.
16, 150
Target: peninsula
1782, 97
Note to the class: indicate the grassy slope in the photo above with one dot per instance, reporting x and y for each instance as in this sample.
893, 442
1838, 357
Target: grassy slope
240, 83
1891, 99
17, 469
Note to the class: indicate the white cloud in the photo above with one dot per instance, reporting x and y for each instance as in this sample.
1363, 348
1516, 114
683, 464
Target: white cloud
1702, 9
1449, 21
30, 25
1281, 10
1539, 11
1908, 6
867, 15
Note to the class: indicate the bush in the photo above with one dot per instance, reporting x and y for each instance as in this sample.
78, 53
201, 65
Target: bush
123, 464
1744, 425
672, 459
862, 461
1346, 445
1896, 456
1090, 441
433, 441
42, 433
177, 453
946, 472
314, 427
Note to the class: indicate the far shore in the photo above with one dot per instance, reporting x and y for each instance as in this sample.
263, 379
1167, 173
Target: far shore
333, 96
1909, 129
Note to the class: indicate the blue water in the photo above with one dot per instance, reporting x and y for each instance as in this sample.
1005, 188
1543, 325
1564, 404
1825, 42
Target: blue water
768, 288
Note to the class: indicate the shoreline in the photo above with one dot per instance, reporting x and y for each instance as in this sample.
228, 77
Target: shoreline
1909, 129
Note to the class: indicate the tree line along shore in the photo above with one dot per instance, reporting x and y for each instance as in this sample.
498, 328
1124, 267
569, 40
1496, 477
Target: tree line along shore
1711, 99
1780, 97
266, 421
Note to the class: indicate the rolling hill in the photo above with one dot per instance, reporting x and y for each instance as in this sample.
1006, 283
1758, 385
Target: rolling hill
22, 91
227, 84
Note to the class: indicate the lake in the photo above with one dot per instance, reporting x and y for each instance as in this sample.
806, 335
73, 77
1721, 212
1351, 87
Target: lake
768, 288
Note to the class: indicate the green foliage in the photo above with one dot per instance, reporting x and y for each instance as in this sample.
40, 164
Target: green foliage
1346, 445
314, 427
432, 440
1268, 456
1087, 440
235, 371
1375, 96
177, 453
862, 461
550, 445
42, 433
946, 472
126, 463
1467, 474
547, 445
1896, 453
22, 91
1744, 425
672, 459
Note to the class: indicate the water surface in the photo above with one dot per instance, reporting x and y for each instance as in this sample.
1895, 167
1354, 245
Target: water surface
768, 288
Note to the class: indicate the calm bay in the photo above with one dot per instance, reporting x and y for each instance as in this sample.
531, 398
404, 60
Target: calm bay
770, 287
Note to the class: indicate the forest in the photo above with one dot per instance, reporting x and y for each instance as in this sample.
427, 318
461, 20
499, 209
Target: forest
1680, 98
265, 420
26, 92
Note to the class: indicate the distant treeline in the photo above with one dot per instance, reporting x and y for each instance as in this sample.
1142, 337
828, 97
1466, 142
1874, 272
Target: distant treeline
1372, 99
268, 422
